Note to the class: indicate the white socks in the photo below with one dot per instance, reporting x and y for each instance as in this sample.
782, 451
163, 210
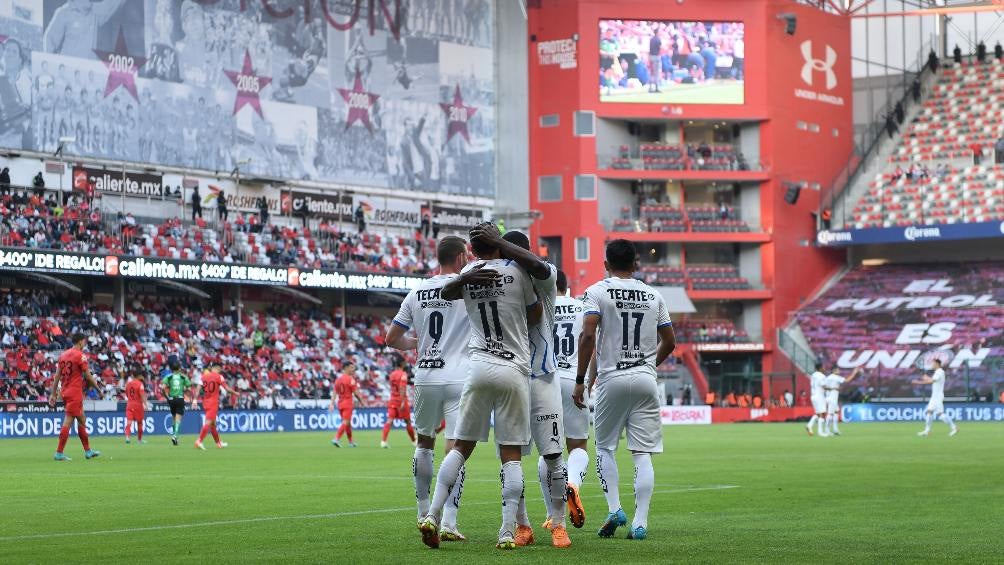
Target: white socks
834, 424
512, 492
822, 427
606, 468
449, 472
421, 469
557, 482
812, 421
946, 419
928, 418
578, 461
644, 484
542, 480
453, 501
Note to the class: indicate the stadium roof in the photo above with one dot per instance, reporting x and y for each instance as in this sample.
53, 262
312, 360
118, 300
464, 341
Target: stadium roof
876, 9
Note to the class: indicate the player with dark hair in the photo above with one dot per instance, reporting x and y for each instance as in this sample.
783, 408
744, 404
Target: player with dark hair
71, 372
212, 382
936, 404
175, 385
501, 305
627, 324
346, 388
135, 407
397, 406
442, 331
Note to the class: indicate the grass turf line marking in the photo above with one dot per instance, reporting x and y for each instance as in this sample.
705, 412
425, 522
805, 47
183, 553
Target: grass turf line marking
301, 517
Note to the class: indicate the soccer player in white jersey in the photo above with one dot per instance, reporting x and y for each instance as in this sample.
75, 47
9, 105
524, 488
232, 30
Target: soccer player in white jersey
546, 426
626, 322
568, 314
817, 381
936, 405
442, 331
831, 387
501, 304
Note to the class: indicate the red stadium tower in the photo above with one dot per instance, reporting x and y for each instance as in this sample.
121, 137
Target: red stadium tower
715, 177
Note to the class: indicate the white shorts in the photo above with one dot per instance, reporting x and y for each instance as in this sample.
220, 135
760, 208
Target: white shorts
575, 419
832, 402
630, 401
818, 404
935, 406
546, 426
435, 403
496, 388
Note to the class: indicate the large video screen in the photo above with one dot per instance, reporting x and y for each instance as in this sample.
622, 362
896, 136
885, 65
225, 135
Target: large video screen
672, 62
343, 91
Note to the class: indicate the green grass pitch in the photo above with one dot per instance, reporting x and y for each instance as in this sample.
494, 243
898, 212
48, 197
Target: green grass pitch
749, 493
723, 92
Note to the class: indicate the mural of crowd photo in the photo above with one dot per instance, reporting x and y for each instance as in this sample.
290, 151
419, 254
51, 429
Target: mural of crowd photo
274, 87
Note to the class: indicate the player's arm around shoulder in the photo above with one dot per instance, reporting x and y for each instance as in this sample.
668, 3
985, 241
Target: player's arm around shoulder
476, 275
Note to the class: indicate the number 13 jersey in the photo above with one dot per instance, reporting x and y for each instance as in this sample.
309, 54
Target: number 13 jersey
497, 315
631, 314
442, 329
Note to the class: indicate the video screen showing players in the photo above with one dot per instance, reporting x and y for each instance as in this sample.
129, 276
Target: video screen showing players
672, 62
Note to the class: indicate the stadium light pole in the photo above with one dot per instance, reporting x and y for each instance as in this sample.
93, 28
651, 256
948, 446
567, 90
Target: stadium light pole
63, 142
236, 173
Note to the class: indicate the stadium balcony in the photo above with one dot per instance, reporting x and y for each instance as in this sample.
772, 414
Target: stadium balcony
34, 219
282, 354
679, 157
700, 278
669, 218
862, 318
709, 330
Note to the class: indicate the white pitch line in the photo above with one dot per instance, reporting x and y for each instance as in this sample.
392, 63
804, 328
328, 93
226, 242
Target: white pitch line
300, 517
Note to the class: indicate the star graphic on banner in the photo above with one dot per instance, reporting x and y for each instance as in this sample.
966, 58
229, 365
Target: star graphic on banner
249, 85
359, 102
122, 67
457, 115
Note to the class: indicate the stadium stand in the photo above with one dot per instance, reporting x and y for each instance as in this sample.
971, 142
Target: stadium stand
698, 277
669, 218
279, 353
29, 219
853, 320
709, 330
688, 157
933, 176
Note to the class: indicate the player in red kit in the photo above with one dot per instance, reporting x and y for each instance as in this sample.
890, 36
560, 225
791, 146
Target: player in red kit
135, 407
212, 382
346, 387
71, 372
397, 406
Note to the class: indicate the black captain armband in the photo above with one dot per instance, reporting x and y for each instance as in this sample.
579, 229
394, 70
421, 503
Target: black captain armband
580, 379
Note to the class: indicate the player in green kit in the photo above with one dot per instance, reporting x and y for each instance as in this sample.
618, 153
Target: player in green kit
175, 385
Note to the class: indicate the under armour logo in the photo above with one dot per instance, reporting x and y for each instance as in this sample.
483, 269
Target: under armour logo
824, 65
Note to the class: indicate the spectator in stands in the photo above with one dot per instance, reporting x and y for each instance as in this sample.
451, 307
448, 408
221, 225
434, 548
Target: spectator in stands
897, 174
932, 61
196, 204
915, 89
957, 54
263, 211
981, 52
723, 211
221, 208
900, 112
4, 181
941, 172
39, 183
977, 150
999, 147
998, 51
789, 399
686, 395
890, 125
360, 218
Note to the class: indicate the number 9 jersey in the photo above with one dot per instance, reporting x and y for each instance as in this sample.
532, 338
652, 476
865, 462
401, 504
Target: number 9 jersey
631, 314
442, 329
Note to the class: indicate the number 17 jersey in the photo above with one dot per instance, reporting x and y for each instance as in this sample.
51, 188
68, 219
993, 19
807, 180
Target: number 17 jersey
442, 329
631, 315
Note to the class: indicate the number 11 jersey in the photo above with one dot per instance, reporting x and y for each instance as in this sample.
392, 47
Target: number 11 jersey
631, 314
497, 315
442, 329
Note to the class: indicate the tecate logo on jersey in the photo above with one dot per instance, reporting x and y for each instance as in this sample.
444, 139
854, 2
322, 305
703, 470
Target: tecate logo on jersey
914, 233
827, 237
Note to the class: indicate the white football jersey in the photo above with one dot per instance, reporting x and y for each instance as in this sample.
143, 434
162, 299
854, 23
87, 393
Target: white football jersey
443, 331
938, 386
818, 382
542, 353
631, 314
567, 327
498, 316
833, 381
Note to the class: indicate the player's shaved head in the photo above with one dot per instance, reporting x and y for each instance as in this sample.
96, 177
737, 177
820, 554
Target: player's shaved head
621, 255
449, 249
561, 282
518, 239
